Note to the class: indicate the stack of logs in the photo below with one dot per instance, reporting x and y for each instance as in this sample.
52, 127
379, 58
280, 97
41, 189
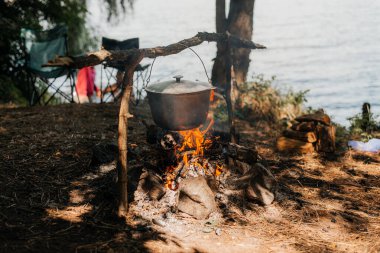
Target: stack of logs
311, 132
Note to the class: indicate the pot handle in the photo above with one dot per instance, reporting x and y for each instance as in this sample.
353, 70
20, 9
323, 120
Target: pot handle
177, 80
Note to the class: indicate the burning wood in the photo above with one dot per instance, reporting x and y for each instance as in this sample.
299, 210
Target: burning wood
189, 152
193, 172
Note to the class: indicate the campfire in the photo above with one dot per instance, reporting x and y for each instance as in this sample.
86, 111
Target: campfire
192, 163
189, 168
185, 151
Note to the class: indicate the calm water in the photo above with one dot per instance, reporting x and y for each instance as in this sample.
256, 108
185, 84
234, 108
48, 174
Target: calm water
331, 47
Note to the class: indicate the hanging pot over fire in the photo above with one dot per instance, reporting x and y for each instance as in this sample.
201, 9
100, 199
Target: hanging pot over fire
179, 104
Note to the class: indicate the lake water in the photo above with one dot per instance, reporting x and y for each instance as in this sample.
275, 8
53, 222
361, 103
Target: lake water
330, 47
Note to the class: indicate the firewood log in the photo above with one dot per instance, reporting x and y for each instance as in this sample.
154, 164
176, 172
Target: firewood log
262, 185
240, 153
285, 144
304, 126
302, 136
326, 139
316, 117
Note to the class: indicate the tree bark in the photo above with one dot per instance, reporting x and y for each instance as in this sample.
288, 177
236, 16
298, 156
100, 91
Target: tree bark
221, 20
218, 75
131, 64
240, 24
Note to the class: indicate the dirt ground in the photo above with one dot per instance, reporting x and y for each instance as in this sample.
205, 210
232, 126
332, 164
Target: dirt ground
55, 198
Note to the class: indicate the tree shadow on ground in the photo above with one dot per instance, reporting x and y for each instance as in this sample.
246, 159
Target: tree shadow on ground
53, 198
352, 193
366, 158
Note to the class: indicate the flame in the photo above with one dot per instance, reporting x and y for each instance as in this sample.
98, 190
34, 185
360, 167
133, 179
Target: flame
185, 160
191, 153
195, 139
212, 95
218, 170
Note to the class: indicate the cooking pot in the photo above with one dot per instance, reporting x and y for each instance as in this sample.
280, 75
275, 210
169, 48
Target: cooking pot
179, 104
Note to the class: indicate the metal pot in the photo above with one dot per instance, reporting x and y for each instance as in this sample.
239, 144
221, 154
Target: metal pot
180, 104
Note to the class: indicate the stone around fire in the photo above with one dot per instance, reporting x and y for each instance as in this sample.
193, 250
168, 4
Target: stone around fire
196, 198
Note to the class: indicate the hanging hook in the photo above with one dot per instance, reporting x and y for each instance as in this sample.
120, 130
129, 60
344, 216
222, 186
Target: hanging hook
150, 73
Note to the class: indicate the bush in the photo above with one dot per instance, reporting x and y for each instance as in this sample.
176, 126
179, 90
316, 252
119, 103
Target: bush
260, 100
10, 93
363, 125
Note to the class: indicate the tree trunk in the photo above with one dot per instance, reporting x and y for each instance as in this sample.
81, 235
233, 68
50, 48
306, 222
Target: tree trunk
239, 23
218, 75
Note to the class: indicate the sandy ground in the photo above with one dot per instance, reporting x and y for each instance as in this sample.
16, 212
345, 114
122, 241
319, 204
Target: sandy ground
53, 198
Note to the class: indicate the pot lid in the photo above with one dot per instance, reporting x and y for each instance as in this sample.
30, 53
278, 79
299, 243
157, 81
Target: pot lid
179, 86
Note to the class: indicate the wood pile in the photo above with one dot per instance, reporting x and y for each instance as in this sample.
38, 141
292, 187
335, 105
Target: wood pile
311, 132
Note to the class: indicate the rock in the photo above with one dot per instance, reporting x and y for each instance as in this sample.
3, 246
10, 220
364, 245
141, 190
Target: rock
212, 183
153, 185
304, 126
285, 144
218, 196
302, 136
319, 116
196, 198
262, 185
218, 231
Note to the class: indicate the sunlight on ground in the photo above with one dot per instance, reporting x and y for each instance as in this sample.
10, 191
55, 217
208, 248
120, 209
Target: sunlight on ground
71, 213
80, 197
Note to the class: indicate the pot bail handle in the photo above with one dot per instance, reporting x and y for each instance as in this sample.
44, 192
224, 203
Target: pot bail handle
204, 67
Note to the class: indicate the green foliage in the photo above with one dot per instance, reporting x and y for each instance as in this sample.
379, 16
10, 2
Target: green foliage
114, 7
35, 14
259, 99
363, 126
10, 93
342, 135
42, 14
220, 113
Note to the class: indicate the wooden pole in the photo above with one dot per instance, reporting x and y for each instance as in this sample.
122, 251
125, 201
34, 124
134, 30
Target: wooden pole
228, 93
131, 64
